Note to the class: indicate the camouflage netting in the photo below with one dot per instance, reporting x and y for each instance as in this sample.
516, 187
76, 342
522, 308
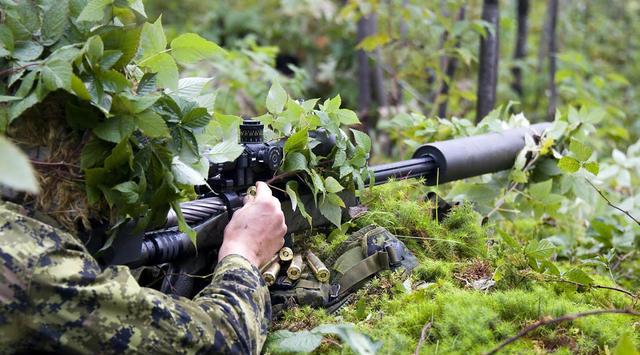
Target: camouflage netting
54, 149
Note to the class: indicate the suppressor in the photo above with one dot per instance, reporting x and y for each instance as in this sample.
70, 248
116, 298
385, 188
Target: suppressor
317, 267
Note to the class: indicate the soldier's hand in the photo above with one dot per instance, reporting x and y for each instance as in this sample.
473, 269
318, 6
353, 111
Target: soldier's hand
257, 230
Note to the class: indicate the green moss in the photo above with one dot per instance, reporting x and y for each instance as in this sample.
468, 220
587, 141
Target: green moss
396, 207
465, 320
431, 270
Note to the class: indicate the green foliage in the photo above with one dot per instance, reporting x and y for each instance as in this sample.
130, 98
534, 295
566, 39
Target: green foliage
326, 176
306, 341
142, 154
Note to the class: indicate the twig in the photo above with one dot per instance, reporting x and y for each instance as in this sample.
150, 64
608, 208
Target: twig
280, 177
568, 317
60, 163
612, 288
423, 336
611, 204
15, 70
512, 187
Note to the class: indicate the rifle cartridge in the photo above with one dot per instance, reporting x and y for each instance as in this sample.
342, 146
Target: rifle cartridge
295, 269
266, 265
318, 268
286, 254
271, 274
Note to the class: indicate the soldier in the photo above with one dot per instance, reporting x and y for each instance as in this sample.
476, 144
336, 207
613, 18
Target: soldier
55, 298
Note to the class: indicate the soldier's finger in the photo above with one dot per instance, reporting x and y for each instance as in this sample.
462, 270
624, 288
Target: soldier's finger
248, 198
262, 190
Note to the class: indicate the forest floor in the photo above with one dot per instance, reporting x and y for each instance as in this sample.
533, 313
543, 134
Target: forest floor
450, 303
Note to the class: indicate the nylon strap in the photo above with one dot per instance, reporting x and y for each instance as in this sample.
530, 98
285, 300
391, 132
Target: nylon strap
363, 270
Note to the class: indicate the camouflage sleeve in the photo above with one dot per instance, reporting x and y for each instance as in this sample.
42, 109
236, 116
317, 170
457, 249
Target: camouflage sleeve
87, 310
54, 297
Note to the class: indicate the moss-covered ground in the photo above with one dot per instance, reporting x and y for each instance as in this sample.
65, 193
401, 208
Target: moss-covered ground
454, 252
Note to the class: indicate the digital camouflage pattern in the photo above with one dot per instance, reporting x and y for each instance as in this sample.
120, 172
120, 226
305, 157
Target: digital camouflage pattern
54, 297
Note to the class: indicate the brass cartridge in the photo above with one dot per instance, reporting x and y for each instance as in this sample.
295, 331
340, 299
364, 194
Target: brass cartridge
266, 265
295, 269
317, 267
286, 254
271, 274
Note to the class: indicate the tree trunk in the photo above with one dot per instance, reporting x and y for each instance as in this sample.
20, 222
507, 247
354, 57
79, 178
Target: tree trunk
378, 76
520, 51
488, 66
553, 50
364, 75
450, 71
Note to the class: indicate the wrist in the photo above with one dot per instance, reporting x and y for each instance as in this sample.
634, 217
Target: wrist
229, 248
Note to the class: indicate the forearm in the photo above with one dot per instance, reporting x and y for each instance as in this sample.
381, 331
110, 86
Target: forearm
238, 290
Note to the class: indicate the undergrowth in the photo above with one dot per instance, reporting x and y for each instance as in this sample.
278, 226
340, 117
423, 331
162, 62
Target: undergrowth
453, 253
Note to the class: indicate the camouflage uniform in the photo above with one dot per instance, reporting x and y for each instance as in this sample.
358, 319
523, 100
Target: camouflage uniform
54, 297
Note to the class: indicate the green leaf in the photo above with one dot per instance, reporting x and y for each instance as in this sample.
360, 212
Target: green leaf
578, 276
56, 74
94, 153
348, 117
295, 161
109, 59
332, 185
190, 48
166, 69
374, 41
284, 341
191, 87
148, 84
79, 88
580, 151
332, 105
121, 154
151, 124
625, 346
55, 19
94, 48
27, 50
276, 98
592, 167
17, 172
331, 211
362, 140
182, 224
186, 175
94, 11
115, 129
112, 81
224, 152
297, 141
128, 191
292, 190
196, 118
541, 190
540, 249
568, 164
358, 342
125, 41
152, 39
